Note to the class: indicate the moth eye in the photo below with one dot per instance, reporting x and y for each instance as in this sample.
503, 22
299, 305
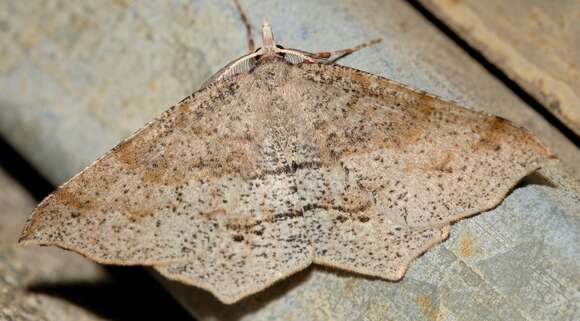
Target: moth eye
280, 47
257, 50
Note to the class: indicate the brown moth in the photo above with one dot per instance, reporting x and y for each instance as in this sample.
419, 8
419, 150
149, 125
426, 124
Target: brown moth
281, 160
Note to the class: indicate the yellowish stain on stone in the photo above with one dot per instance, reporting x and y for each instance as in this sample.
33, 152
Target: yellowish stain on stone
153, 87
30, 39
466, 246
427, 308
349, 286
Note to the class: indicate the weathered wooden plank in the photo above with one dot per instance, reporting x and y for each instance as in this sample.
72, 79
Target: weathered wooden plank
534, 42
87, 74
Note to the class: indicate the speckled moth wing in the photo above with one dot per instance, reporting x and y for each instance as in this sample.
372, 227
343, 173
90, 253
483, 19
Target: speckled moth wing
284, 166
168, 191
375, 250
420, 160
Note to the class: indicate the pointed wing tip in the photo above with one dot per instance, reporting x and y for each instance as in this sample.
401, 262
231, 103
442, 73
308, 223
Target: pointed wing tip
27, 234
547, 159
546, 151
30, 233
552, 159
29, 237
24, 239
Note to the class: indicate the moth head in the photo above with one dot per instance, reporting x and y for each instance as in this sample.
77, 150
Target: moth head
268, 43
271, 49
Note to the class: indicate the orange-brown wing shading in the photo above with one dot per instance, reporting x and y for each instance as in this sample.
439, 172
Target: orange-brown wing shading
420, 161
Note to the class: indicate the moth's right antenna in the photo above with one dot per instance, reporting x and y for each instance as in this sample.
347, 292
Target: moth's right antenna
332, 56
246, 21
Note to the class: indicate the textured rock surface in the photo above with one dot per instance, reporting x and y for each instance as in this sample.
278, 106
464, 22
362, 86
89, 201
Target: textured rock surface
75, 78
21, 268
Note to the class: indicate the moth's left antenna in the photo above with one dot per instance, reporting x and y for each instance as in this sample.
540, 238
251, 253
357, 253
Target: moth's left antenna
246, 21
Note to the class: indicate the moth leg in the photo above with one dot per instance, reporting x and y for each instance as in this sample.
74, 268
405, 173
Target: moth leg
330, 57
246, 20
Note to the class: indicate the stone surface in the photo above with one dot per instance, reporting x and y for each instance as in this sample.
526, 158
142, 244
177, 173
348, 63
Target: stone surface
77, 77
22, 268
534, 42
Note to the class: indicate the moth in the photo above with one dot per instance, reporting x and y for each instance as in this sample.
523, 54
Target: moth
284, 159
